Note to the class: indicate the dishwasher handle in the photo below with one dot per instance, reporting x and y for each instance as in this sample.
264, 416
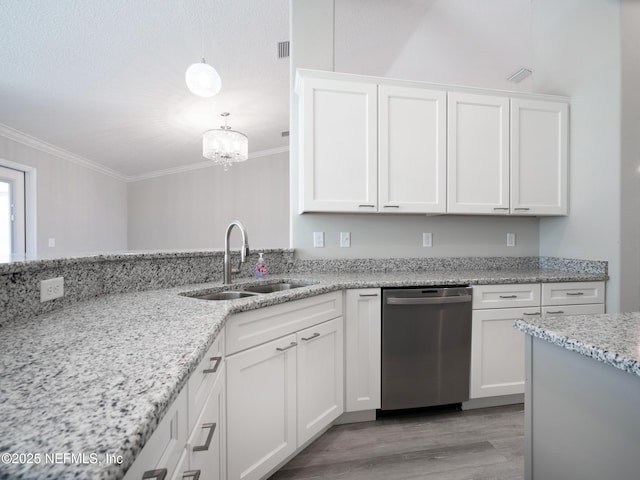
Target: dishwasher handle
427, 300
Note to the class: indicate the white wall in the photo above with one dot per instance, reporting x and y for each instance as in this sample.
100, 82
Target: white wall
577, 53
84, 210
192, 209
410, 55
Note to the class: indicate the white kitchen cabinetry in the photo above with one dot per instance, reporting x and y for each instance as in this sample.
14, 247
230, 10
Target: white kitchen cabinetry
284, 381
478, 158
539, 143
573, 298
412, 144
338, 146
497, 349
190, 439
363, 327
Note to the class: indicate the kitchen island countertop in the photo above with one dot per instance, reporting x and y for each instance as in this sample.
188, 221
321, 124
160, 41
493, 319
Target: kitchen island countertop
96, 377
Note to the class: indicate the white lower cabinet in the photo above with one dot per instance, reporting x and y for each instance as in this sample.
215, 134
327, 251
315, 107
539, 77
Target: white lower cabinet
363, 343
261, 408
285, 391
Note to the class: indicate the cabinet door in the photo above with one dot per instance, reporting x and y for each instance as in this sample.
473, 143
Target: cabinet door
497, 352
261, 408
538, 157
338, 146
412, 147
207, 441
478, 154
320, 378
362, 349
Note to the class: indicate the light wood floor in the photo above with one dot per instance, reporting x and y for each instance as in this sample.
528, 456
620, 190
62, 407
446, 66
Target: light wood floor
447, 445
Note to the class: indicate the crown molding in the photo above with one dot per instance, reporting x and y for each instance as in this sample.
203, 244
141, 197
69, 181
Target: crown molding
41, 145
199, 165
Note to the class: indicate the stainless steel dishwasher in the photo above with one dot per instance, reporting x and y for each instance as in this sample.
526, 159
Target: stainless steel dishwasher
426, 346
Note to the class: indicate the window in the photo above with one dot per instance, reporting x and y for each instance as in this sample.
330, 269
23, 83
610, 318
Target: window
15, 233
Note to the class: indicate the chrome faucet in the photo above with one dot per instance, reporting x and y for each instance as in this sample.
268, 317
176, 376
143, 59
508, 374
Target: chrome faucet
244, 253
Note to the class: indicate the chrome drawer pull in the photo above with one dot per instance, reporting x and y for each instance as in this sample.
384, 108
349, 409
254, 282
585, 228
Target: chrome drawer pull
194, 474
315, 335
508, 296
368, 206
391, 206
159, 474
555, 313
522, 208
368, 294
501, 208
575, 293
215, 367
534, 313
207, 442
291, 345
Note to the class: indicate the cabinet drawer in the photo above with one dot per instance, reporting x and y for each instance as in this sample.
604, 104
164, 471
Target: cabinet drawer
572, 293
506, 296
255, 327
163, 450
589, 309
203, 378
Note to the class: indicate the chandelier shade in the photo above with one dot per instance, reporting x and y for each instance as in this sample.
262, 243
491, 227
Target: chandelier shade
225, 146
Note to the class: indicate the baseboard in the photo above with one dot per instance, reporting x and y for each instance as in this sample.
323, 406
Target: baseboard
356, 417
493, 401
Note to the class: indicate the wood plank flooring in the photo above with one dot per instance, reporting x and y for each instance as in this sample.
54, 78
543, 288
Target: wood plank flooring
478, 444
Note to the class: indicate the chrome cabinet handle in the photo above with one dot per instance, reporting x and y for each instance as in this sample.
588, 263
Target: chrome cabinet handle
554, 313
368, 294
159, 474
501, 208
207, 442
368, 206
315, 335
522, 208
391, 206
574, 294
508, 296
215, 367
291, 345
531, 314
194, 474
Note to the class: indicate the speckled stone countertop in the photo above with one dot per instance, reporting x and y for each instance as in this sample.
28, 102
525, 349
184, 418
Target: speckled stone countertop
97, 376
613, 339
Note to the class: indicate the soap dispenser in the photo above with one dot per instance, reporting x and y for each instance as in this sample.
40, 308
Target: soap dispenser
261, 268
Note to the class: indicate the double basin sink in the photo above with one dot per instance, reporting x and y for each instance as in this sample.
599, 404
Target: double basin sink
248, 291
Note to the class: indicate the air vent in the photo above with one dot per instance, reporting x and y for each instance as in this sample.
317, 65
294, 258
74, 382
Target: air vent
520, 75
283, 49
285, 133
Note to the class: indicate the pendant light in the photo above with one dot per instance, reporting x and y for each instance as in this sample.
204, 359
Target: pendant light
225, 146
202, 79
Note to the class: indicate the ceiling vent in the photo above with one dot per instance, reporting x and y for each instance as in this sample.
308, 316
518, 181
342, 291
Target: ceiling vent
285, 133
283, 49
519, 75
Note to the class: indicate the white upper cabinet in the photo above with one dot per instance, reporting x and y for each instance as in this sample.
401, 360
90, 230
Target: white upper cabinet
478, 161
412, 150
338, 146
538, 157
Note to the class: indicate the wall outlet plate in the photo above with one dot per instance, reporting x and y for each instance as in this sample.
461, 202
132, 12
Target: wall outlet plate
427, 239
318, 239
511, 239
345, 239
51, 289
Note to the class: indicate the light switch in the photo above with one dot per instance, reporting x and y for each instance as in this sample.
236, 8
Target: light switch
318, 239
345, 239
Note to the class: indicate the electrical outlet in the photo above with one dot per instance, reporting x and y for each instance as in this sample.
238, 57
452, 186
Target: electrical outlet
511, 239
427, 239
318, 239
51, 288
345, 239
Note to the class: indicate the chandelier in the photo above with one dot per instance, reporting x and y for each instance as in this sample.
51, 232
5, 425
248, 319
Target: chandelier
225, 146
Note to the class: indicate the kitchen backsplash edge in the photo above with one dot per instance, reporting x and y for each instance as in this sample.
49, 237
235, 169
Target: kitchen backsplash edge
91, 276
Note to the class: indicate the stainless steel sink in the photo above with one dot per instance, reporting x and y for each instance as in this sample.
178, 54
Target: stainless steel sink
226, 295
274, 287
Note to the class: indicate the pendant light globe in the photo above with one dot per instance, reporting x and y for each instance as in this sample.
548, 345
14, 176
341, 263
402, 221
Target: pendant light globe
203, 80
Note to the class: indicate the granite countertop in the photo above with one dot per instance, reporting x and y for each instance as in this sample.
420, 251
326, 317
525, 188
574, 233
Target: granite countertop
613, 339
96, 377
